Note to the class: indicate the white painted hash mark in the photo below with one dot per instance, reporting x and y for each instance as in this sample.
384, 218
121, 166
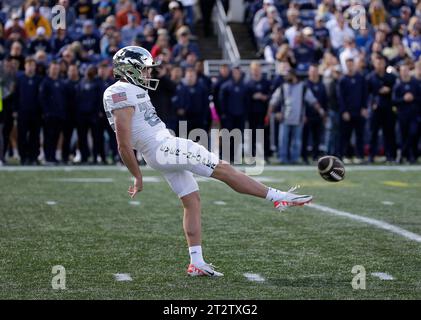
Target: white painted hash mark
134, 203
123, 277
51, 203
255, 277
388, 203
382, 275
377, 223
220, 203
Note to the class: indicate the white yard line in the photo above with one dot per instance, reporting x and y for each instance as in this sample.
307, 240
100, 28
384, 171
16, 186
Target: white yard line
84, 180
388, 203
51, 203
377, 223
254, 277
122, 277
220, 203
382, 275
134, 203
268, 168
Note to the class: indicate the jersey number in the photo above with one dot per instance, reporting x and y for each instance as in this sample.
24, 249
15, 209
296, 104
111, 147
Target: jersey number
150, 115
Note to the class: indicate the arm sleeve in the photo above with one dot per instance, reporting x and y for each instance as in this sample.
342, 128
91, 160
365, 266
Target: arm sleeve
118, 98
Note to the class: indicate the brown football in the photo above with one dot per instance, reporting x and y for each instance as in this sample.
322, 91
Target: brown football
331, 168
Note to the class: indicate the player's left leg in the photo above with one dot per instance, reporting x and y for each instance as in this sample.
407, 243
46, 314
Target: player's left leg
185, 186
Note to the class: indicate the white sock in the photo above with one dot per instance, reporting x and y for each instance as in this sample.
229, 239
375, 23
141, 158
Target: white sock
275, 195
196, 256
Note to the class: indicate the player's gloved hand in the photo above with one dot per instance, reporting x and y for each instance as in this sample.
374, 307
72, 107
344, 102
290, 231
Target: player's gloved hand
136, 187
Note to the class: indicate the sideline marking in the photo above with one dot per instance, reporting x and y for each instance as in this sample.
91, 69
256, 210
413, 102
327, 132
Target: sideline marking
382, 275
377, 223
83, 180
122, 277
254, 277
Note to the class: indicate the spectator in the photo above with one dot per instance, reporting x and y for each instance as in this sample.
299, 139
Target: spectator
188, 6
130, 30
277, 39
184, 46
315, 114
70, 12
104, 10
71, 87
349, 52
16, 26
377, 13
59, 40
89, 40
224, 74
28, 112
192, 102
352, 95
34, 21
339, 31
52, 100
127, 9
265, 25
287, 103
162, 98
87, 114
405, 97
380, 85
16, 53
258, 92
176, 20
413, 40
39, 42
233, 101
84, 9
162, 43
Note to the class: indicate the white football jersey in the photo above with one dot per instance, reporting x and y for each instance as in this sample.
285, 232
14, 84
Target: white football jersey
147, 128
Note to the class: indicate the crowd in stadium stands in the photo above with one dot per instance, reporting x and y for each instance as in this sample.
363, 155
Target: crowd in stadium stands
343, 76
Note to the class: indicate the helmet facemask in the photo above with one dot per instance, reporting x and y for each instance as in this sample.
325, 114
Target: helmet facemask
137, 74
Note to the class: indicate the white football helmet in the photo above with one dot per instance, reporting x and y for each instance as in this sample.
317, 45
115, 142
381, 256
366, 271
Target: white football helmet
130, 62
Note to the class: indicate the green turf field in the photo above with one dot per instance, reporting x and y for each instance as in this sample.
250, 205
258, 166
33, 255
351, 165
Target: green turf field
94, 232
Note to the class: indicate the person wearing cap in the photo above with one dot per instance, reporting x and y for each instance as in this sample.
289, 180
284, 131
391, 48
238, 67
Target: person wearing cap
184, 46
352, 96
35, 21
379, 86
28, 112
39, 43
288, 104
321, 33
233, 99
89, 40
53, 105
15, 27
176, 19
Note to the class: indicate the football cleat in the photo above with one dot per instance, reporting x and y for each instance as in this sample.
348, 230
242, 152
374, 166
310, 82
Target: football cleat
292, 200
207, 270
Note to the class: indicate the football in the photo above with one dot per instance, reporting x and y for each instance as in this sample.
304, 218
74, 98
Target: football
331, 168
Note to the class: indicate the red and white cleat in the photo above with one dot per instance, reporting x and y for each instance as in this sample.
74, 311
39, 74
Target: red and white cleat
207, 270
292, 200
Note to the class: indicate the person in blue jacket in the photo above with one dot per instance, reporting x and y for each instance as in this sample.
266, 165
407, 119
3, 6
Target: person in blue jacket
258, 95
28, 112
233, 102
352, 96
193, 102
380, 85
315, 118
71, 85
406, 100
88, 109
52, 99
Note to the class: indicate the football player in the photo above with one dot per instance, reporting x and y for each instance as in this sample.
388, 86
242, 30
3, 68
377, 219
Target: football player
137, 126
